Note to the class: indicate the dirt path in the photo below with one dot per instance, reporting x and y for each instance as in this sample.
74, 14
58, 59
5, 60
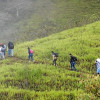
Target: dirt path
16, 59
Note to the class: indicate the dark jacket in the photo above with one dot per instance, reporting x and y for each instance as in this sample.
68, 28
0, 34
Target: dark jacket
73, 59
10, 45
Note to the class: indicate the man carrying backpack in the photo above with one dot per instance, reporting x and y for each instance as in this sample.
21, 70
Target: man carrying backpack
72, 61
55, 56
10, 47
30, 52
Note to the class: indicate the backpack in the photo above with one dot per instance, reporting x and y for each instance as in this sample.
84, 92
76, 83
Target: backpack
56, 54
31, 51
11, 45
75, 59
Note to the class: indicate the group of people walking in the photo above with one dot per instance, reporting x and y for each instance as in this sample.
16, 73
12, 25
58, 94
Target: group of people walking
3, 49
73, 59
55, 56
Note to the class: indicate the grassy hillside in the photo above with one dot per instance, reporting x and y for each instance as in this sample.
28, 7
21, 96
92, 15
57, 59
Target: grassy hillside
21, 80
52, 16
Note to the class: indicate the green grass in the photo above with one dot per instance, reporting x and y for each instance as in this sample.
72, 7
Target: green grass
21, 80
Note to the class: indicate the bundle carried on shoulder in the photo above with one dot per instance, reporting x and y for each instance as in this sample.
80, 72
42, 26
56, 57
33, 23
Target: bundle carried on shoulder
56, 54
75, 59
31, 51
98, 60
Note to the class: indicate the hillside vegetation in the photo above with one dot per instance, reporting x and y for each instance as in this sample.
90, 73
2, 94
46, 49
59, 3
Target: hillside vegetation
22, 20
52, 16
21, 80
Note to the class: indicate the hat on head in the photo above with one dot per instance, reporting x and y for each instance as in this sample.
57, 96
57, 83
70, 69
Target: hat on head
1, 44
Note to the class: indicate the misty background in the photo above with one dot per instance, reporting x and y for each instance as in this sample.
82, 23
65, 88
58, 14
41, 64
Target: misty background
11, 13
22, 20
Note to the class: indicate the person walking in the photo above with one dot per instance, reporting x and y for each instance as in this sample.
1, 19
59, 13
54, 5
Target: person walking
10, 49
72, 61
2, 51
5, 47
55, 56
30, 52
98, 65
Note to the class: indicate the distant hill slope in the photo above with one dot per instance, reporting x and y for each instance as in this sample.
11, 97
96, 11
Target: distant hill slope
39, 18
41, 80
53, 16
